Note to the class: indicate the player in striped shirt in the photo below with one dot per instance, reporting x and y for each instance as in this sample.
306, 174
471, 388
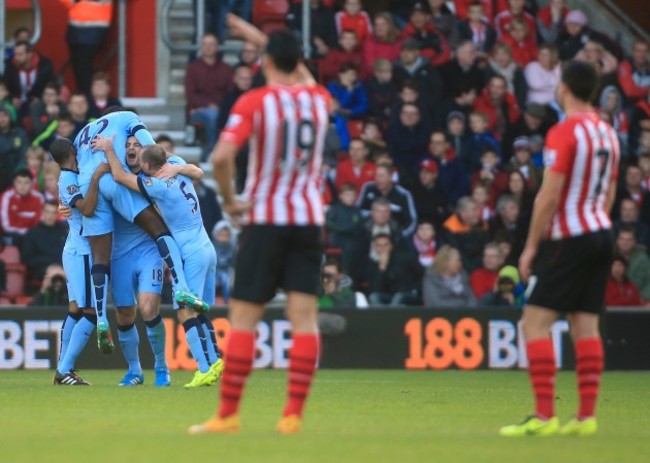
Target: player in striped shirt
280, 246
567, 255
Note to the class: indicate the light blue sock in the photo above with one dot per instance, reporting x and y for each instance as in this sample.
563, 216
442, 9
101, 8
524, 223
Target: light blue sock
172, 256
211, 341
193, 335
99, 278
78, 340
66, 332
129, 340
156, 334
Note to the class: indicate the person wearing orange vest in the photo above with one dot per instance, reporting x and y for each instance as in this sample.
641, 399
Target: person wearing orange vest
88, 24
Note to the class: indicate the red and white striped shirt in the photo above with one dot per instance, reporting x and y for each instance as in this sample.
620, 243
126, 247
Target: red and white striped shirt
286, 128
585, 149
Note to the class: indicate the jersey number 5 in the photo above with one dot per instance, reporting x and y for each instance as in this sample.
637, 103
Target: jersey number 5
190, 197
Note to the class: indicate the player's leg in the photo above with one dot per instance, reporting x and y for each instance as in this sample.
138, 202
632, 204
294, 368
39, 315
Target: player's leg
129, 339
74, 312
196, 340
206, 273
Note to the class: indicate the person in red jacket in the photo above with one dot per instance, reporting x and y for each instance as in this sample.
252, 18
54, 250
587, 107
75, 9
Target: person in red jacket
490, 8
503, 21
634, 73
355, 170
482, 279
353, 18
433, 45
620, 290
348, 52
522, 44
20, 207
383, 43
499, 104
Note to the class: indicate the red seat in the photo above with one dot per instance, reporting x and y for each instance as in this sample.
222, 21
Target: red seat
15, 281
24, 300
355, 128
10, 255
270, 15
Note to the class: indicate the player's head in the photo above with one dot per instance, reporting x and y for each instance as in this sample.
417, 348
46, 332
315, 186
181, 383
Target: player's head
579, 81
62, 151
153, 158
133, 150
283, 52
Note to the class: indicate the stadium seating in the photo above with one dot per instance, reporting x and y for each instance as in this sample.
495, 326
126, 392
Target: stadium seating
5, 301
10, 255
270, 15
15, 281
23, 300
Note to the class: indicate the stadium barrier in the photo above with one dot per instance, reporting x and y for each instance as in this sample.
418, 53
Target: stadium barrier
416, 339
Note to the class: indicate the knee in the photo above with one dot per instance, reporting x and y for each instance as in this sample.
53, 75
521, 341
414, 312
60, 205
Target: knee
125, 316
149, 310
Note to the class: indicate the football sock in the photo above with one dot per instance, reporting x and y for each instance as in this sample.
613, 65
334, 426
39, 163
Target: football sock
78, 340
239, 363
66, 331
196, 342
99, 274
589, 369
171, 255
211, 341
129, 341
541, 359
156, 334
303, 357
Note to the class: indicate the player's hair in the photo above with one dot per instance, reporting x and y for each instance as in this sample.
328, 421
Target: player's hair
24, 172
61, 149
162, 138
24, 43
113, 109
581, 79
155, 155
284, 50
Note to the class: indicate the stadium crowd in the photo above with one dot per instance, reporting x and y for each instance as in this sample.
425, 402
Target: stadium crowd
432, 160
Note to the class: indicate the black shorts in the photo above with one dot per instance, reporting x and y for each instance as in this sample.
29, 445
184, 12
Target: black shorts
570, 275
272, 256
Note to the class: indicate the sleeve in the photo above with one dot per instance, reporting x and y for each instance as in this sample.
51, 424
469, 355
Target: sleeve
69, 192
151, 188
559, 149
239, 127
140, 131
176, 160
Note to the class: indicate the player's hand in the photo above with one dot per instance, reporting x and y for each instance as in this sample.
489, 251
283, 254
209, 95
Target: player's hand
103, 168
237, 207
245, 30
101, 143
169, 170
65, 211
526, 262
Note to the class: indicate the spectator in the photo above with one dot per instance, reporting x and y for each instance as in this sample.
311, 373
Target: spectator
459, 140
424, 242
21, 206
482, 198
462, 73
632, 188
490, 175
323, 25
242, 80
349, 92
414, 67
166, 142
506, 220
100, 97
521, 42
452, 177
503, 21
480, 140
594, 52
78, 111
629, 217
489, 9
483, 279
348, 51
533, 122
478, 30
381, 222
445, 283
381, 89
508, 290
225, 245
430, 201
208, 204
638, 269
620, 290
337, 287
522, 161
634, 73
465, 231
518, 188
393, 274
407, 139
639, 123
611, 110
344, 224
50, 189
400, 199
21, 34
26, 74
54, 291
62, 127
543, 76
445, 20
13, 144
44, 112
423, 32
373, 138
499, 104
43, 244
353, 18
357, 169
35, 160
461, 103
550, 20
6, 101
207, 79
576, 33
383, 43
502, 64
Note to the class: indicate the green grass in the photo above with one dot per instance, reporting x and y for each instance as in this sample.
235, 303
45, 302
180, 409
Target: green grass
355, 416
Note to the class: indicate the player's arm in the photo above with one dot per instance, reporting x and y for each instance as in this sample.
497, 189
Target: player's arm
87, 204
223, 158
172, 169
122, 177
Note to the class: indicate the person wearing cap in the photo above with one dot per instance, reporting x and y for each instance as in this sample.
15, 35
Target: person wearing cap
458, 138
431, 202
576, 33
522, 161
432, 43
13, 144
508, 290
499, 104
413, 66
503, 21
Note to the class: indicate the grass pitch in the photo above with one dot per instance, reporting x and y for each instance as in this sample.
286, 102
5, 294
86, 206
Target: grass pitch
353, 416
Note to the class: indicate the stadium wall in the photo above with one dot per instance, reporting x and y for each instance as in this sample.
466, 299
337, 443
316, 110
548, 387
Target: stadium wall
415, 339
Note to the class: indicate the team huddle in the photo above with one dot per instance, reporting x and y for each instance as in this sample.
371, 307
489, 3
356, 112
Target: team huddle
124, 199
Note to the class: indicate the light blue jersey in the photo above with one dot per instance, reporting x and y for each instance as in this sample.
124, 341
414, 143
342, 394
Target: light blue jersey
122, 124
127, 236
69, 194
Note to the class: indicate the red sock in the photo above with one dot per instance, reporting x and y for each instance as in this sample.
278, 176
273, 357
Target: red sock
541, 361
589, 368
302, 366
239, 363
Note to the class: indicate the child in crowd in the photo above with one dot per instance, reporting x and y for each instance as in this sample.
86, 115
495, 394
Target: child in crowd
424, 241
35, 159
353, 18
345, 224
480, 140
225, 244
